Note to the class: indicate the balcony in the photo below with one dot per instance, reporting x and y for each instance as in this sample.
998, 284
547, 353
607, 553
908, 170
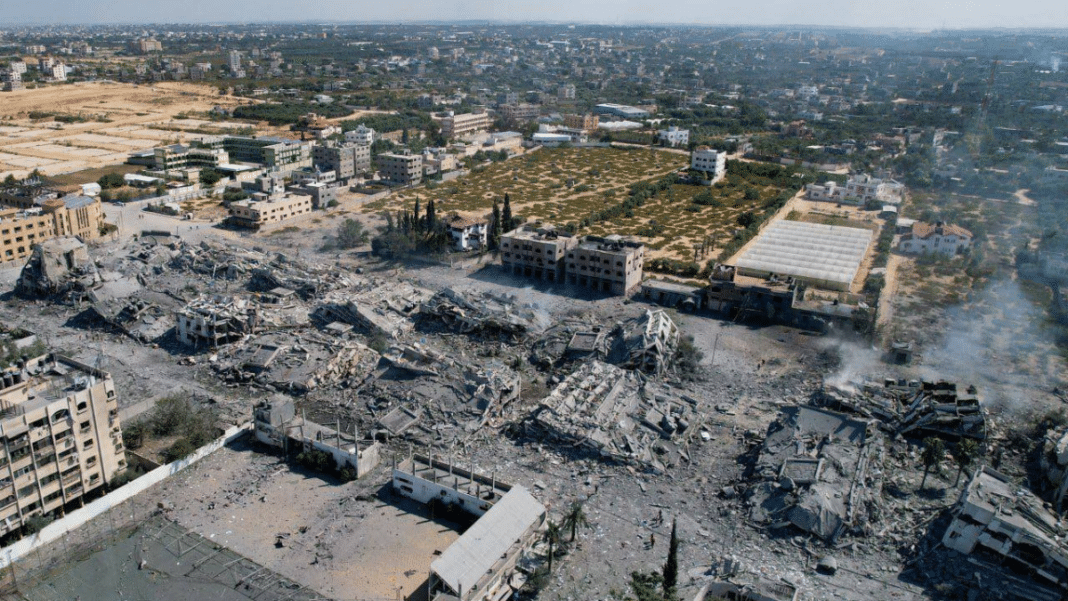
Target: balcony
71, 479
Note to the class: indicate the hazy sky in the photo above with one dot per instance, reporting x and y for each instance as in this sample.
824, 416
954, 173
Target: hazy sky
886, 13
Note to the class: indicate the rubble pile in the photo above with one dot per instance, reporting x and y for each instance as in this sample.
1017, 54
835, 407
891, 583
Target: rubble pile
568, 340
820, 471
378, 307
620, 416
470, 312
646, 343
137, 318
295, 363
57, 266
912, 408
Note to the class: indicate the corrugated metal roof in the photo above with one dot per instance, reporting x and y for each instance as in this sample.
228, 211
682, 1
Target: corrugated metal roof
468, 559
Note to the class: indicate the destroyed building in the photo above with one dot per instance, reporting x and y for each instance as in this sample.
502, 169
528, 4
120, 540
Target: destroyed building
818, 470
913, 408
57, 266
485, 312
1005, 524
478, 566
619, 416
212, 321
277, 425
377, 307
646, 343
294, 362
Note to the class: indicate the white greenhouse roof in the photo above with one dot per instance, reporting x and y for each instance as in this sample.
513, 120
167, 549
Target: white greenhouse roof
824, 254
466, 561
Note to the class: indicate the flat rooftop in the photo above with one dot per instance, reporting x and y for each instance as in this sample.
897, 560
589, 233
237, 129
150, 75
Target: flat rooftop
826, 255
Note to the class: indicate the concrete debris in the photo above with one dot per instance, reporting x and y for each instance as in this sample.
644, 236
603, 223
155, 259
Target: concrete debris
57, 266
619, 416
296, 363
215, 320
998, 521
730, 578
1054, 462
820, 471
915, 409
471, 312
378, 307
397, 421
647, 342
277, 425
138, 318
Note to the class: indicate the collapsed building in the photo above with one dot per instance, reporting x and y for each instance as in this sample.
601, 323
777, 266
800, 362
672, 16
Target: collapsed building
618, 415
818, 470
647, 342
478, 566
57, 266
485, 312
1005, 524
211, 321
294, 362
379, 308
277, 425
913, 408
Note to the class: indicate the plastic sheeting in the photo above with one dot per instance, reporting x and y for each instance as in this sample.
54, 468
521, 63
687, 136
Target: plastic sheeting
826, 255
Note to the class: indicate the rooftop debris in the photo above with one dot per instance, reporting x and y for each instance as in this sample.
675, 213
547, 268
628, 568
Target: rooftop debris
296, 363
620, 416
470, 312
138, 318
57, 266
820, 471
915, 409
995, 519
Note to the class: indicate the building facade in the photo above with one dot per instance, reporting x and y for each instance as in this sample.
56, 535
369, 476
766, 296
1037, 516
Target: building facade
347, 161
609, 264
29, 223
673, 136
536, 252
453, 125
60, 436
709, 161
584, 122
467, 233
255, 214
361, 135
401, 169
858, 190
940, 238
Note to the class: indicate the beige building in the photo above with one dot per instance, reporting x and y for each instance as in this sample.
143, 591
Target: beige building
401, 169
255, 214
610, 264
59, 427
33, 220
467, 123
536, 252
583, 122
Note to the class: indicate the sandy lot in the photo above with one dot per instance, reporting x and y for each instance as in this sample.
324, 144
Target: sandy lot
119, 119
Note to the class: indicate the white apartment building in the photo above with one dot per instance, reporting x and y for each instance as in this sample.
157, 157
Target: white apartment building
361, 135
673, 136
709, 161
859, 189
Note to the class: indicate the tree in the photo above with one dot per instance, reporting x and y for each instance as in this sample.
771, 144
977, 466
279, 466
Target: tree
646, 586
495, 227
965, 453
506, 216
746, 219
416, 225
11, 181
553, 534
431, 216
933, 451
209, 176
111, 180
575, 519
351, 234
671, 566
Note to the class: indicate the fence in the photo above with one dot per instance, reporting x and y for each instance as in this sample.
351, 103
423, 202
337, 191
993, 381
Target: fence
67, 525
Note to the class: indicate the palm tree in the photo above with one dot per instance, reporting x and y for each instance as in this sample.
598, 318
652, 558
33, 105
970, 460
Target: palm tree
966, 452
553, 534
933, 451
575, 519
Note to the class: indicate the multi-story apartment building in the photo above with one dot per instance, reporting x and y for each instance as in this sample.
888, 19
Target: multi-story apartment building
276, 154
60, 437
30, 220
673, 136
709, 161
12, 81
583, 122
566, 92
859, 189
519, 113
255, 214
346, 160
940, 237
536, 252
453, 125
179, 156
361, 135
146, 45
610, 264
401, 169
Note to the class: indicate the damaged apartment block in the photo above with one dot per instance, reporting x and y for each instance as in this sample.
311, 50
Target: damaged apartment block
1007, 525
278, 426
819, 471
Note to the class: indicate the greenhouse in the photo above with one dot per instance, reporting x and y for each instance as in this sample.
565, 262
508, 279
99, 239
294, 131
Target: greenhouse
827, 256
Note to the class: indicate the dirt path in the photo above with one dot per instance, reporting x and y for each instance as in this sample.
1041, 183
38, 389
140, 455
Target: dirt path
889, 293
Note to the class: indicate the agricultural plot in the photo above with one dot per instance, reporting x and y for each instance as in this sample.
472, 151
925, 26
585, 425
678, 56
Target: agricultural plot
568, 186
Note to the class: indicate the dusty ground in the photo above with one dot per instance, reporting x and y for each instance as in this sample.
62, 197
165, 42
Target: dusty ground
120, 119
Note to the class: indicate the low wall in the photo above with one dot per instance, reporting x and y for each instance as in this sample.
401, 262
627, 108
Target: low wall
78, 517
